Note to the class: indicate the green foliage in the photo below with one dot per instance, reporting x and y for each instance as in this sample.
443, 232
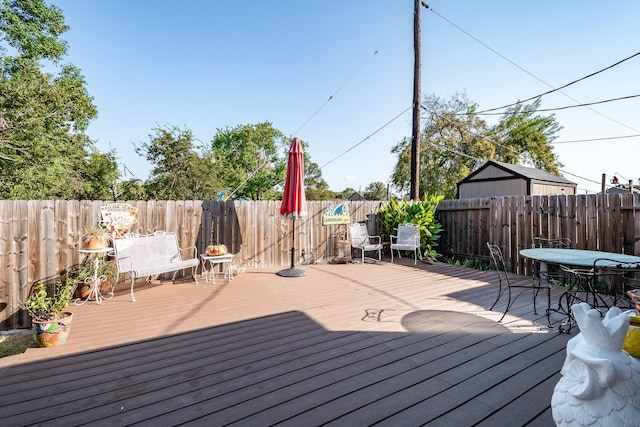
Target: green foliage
376, 191
455, 141
421, 213
526, 137
48, 299
475, 263
33, 28
182, 169
106, 270
43, 115
15, 344
344, 194
318, 193
250, 160
316, 188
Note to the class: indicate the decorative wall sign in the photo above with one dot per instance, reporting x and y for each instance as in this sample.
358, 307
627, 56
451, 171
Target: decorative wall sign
336, 216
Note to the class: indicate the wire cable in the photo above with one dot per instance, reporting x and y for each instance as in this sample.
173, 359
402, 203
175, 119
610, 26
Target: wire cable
531, 74
564, 86
566, 107
595, 139
366, 138
393, 34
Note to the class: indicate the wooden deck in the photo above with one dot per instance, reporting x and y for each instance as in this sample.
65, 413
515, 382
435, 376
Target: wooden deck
348, 344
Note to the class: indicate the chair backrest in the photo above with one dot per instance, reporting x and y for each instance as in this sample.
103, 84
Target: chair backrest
558, 242
615, 265
497, 261
359, 234
616, 275
408, 234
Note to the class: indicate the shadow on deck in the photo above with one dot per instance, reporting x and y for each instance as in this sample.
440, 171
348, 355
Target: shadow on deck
346, 345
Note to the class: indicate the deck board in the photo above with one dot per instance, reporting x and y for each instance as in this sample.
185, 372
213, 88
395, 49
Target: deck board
347, 344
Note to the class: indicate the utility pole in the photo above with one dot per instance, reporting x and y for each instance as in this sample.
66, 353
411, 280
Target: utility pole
417, 75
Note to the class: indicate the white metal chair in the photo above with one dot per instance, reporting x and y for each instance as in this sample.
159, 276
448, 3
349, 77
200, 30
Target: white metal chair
361, 240
408, 239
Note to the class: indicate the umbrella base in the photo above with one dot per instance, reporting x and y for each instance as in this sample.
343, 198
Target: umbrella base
292, 272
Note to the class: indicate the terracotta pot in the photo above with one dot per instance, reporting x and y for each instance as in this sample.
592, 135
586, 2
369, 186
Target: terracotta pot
54, 332
96, 243
105, 286
84, 288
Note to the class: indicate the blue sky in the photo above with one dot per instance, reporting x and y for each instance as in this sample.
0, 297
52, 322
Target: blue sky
209, 64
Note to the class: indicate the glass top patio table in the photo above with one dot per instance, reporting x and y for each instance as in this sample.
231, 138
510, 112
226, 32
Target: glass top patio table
577, 257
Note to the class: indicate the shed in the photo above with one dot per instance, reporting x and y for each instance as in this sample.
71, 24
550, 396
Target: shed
504, 179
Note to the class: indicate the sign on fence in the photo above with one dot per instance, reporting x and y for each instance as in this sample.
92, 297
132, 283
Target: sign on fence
336, 216
118, 218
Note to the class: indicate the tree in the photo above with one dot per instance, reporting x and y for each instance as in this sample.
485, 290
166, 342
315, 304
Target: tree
101, 176
376, 191
344, 194
249, 160
179, 171
316, 188
43, 116
456, 141
131, 189
526, 138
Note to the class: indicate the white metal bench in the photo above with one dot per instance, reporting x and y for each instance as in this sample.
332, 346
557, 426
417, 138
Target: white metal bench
147, 256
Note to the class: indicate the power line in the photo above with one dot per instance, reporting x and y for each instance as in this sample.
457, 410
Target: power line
564, 86
489, 47
566, 107
531, 74
578, 176
595, 139
367, 137
394, 33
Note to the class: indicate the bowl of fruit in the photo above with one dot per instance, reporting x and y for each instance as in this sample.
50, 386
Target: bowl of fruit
215, 250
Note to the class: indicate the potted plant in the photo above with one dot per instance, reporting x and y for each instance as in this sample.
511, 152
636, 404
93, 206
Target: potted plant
85, 273
95, 237
46, 305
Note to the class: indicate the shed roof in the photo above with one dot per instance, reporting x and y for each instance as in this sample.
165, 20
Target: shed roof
520, 171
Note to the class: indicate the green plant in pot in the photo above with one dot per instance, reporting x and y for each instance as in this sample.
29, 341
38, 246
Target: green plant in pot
85, 272
47, 306
95, 237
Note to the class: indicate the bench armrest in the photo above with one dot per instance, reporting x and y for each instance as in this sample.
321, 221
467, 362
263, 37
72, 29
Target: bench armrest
124, 264
195, 251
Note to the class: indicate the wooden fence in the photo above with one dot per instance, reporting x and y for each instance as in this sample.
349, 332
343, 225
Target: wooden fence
608, 223
39, 238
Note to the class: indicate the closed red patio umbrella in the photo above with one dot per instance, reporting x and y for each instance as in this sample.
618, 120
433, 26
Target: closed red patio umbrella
294, 202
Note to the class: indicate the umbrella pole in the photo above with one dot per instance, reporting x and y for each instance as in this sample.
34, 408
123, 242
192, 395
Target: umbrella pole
292, 271
293, 243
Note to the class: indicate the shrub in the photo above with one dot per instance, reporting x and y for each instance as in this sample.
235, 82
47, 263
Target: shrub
421, 213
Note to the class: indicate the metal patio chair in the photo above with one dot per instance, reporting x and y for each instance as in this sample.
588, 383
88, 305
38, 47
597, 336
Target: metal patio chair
362, 241
407, 239
507, 283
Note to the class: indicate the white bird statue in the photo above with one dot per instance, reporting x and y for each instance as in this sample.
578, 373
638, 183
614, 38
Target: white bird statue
600, 384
